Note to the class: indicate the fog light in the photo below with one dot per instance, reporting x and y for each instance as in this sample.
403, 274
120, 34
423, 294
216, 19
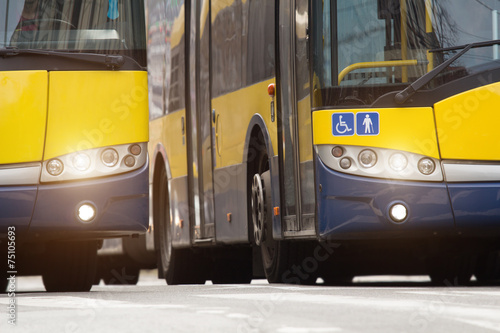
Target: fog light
109, 157
55, 167
398, 212
86, 212
426, 166
398, 162
367, 158
345, 163
81, 162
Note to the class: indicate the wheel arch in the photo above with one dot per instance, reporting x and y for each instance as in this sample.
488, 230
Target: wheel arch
258, 130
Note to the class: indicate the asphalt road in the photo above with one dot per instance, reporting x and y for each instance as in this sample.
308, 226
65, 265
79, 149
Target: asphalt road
381, 304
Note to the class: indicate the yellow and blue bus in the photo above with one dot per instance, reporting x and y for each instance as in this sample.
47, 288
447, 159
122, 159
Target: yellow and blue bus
306, 139
74, 131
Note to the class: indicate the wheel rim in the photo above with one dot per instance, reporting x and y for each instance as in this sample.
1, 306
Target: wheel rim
258, 211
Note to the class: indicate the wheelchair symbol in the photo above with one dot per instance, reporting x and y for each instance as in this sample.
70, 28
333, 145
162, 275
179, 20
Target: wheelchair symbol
342, 124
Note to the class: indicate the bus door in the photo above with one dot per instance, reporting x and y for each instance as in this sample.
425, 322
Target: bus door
199, 119
295, 147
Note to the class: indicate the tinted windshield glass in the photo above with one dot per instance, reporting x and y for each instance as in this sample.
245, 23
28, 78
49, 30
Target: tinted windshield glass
366, 48
102, 26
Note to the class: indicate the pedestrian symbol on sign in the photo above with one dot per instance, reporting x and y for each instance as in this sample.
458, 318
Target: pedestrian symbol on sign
367, 123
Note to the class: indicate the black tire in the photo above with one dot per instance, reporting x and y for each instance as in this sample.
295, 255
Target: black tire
70, 267
451, 271
274, 253
488, 268
114, 271
233, 266
179, 266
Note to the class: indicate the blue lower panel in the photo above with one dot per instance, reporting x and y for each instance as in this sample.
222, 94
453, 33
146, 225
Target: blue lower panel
16, 207
121, 201
476, 207
351, 207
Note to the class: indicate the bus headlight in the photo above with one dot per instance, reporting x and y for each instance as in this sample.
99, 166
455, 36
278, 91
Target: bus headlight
426, 166
367, 158
109, 157
97, 162
81, 162
398, 162
55, 167
380, 163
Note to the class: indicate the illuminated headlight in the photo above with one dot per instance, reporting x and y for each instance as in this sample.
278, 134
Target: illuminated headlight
97, 162
86, 212
380, 163
55, 167
81, 162
398, 212
426, 166
367, 158
109, 157
398, 162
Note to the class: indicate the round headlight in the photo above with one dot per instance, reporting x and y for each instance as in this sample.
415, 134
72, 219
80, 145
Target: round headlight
426, 166
337, 151
135, 149
86, 212
367, 158
109, 157
81, 162
129, 161
345, 163
55, 167
398, 162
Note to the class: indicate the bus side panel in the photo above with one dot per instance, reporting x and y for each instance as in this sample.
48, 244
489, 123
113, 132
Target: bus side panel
230, 174
112, 111
169, 133
23, 112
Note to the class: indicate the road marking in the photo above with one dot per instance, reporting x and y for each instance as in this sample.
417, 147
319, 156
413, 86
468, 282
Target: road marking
71, 302
308, 329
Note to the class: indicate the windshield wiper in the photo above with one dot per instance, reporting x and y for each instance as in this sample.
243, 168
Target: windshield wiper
111, 61
402, 96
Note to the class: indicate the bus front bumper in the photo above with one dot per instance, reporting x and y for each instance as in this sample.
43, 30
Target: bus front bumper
50, 211
355, 208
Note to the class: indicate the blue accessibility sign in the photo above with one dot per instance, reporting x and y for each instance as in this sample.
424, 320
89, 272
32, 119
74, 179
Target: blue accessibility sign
367, 123
343, 124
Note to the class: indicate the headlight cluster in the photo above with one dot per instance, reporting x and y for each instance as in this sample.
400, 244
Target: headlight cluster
380, 163
96, 162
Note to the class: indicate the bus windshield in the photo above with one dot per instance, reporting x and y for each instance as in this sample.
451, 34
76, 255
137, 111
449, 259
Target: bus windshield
364, 49
99, 26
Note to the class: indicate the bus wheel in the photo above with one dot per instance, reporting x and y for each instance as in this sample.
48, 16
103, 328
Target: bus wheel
115, 271
488, 268
274, 253
179, 265
233, 266
451, 271
71, 266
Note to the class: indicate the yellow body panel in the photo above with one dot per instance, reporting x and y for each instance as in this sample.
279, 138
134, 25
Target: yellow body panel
23, 110
167, 132
234, 112
468, 124
406, 129
95, 109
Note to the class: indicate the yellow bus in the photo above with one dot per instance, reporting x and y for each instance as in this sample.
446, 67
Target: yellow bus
74, 131
310, 139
